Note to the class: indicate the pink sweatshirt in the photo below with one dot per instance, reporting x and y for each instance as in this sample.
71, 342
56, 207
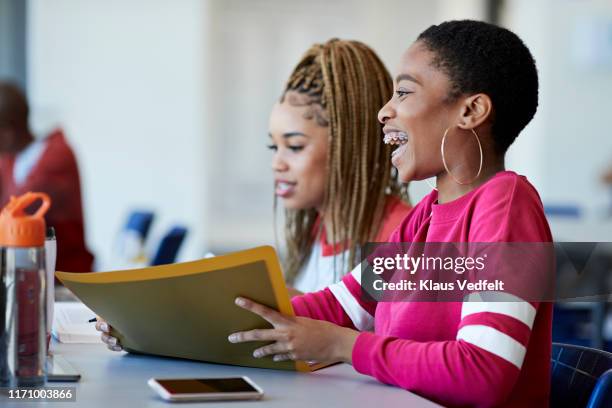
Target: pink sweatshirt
458, 354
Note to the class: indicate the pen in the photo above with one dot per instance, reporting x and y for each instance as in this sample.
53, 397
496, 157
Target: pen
93, 319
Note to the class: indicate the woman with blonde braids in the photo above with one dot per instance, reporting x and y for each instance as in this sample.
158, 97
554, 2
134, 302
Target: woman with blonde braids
331, 169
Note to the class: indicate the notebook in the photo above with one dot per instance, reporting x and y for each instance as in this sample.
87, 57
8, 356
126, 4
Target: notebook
186, 310
70, 323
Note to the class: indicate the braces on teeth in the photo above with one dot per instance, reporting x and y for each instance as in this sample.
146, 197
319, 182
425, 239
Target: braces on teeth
395, 138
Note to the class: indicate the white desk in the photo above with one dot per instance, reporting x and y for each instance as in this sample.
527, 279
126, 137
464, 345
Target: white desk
119, 380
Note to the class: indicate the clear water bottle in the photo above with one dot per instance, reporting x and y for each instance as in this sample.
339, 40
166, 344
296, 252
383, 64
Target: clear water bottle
23, 293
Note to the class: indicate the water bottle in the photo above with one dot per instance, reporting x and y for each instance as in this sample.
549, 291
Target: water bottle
23, 293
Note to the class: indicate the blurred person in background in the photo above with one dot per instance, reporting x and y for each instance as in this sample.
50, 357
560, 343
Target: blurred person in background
48, 165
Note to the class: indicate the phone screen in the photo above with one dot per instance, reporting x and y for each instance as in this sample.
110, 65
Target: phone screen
206, 385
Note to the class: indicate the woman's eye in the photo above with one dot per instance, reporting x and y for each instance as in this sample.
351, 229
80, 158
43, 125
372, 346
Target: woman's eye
401, 92
294, 149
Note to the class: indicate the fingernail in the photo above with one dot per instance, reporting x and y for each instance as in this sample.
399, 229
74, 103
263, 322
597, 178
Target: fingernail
239, 301
257, 354
232, 338
277, 358
104, 327
117, 348
112, 341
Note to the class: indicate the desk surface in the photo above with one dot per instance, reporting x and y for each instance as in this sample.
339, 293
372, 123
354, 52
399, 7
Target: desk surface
119, 379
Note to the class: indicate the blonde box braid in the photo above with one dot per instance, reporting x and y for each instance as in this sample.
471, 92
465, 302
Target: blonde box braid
345, 84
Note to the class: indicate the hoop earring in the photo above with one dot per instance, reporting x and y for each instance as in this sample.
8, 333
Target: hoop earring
444, 159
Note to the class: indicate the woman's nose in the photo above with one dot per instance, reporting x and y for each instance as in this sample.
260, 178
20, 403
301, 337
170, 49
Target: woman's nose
278, 163
385, 113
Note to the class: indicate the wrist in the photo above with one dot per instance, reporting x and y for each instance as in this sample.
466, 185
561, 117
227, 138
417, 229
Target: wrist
346, 341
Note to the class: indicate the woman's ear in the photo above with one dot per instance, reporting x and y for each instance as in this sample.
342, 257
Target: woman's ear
476, 110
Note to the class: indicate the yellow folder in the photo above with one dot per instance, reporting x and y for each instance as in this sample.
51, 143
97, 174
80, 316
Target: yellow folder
187, 310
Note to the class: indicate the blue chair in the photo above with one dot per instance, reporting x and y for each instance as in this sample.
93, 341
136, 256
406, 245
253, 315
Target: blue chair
169, 246
140, 222
602, 394
580, 377
562, 210
128, 250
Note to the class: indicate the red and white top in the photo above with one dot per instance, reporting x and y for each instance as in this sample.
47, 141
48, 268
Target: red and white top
457, 354
326, 259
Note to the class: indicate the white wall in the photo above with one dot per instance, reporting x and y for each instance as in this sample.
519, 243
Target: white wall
568, 144
126, 79
459, 10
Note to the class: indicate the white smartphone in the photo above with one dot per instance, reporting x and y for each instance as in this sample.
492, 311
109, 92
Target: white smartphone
206, 389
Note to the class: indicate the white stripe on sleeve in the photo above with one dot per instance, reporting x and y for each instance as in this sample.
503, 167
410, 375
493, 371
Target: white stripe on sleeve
356, 272
507, 304
495, 342
362, 320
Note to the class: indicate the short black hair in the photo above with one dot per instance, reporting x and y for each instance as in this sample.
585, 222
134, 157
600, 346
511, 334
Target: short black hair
482, 57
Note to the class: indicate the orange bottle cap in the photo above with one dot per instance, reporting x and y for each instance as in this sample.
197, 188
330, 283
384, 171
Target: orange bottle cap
20, 229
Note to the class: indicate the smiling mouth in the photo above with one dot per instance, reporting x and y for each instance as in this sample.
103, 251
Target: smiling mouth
284, 188
395, 138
